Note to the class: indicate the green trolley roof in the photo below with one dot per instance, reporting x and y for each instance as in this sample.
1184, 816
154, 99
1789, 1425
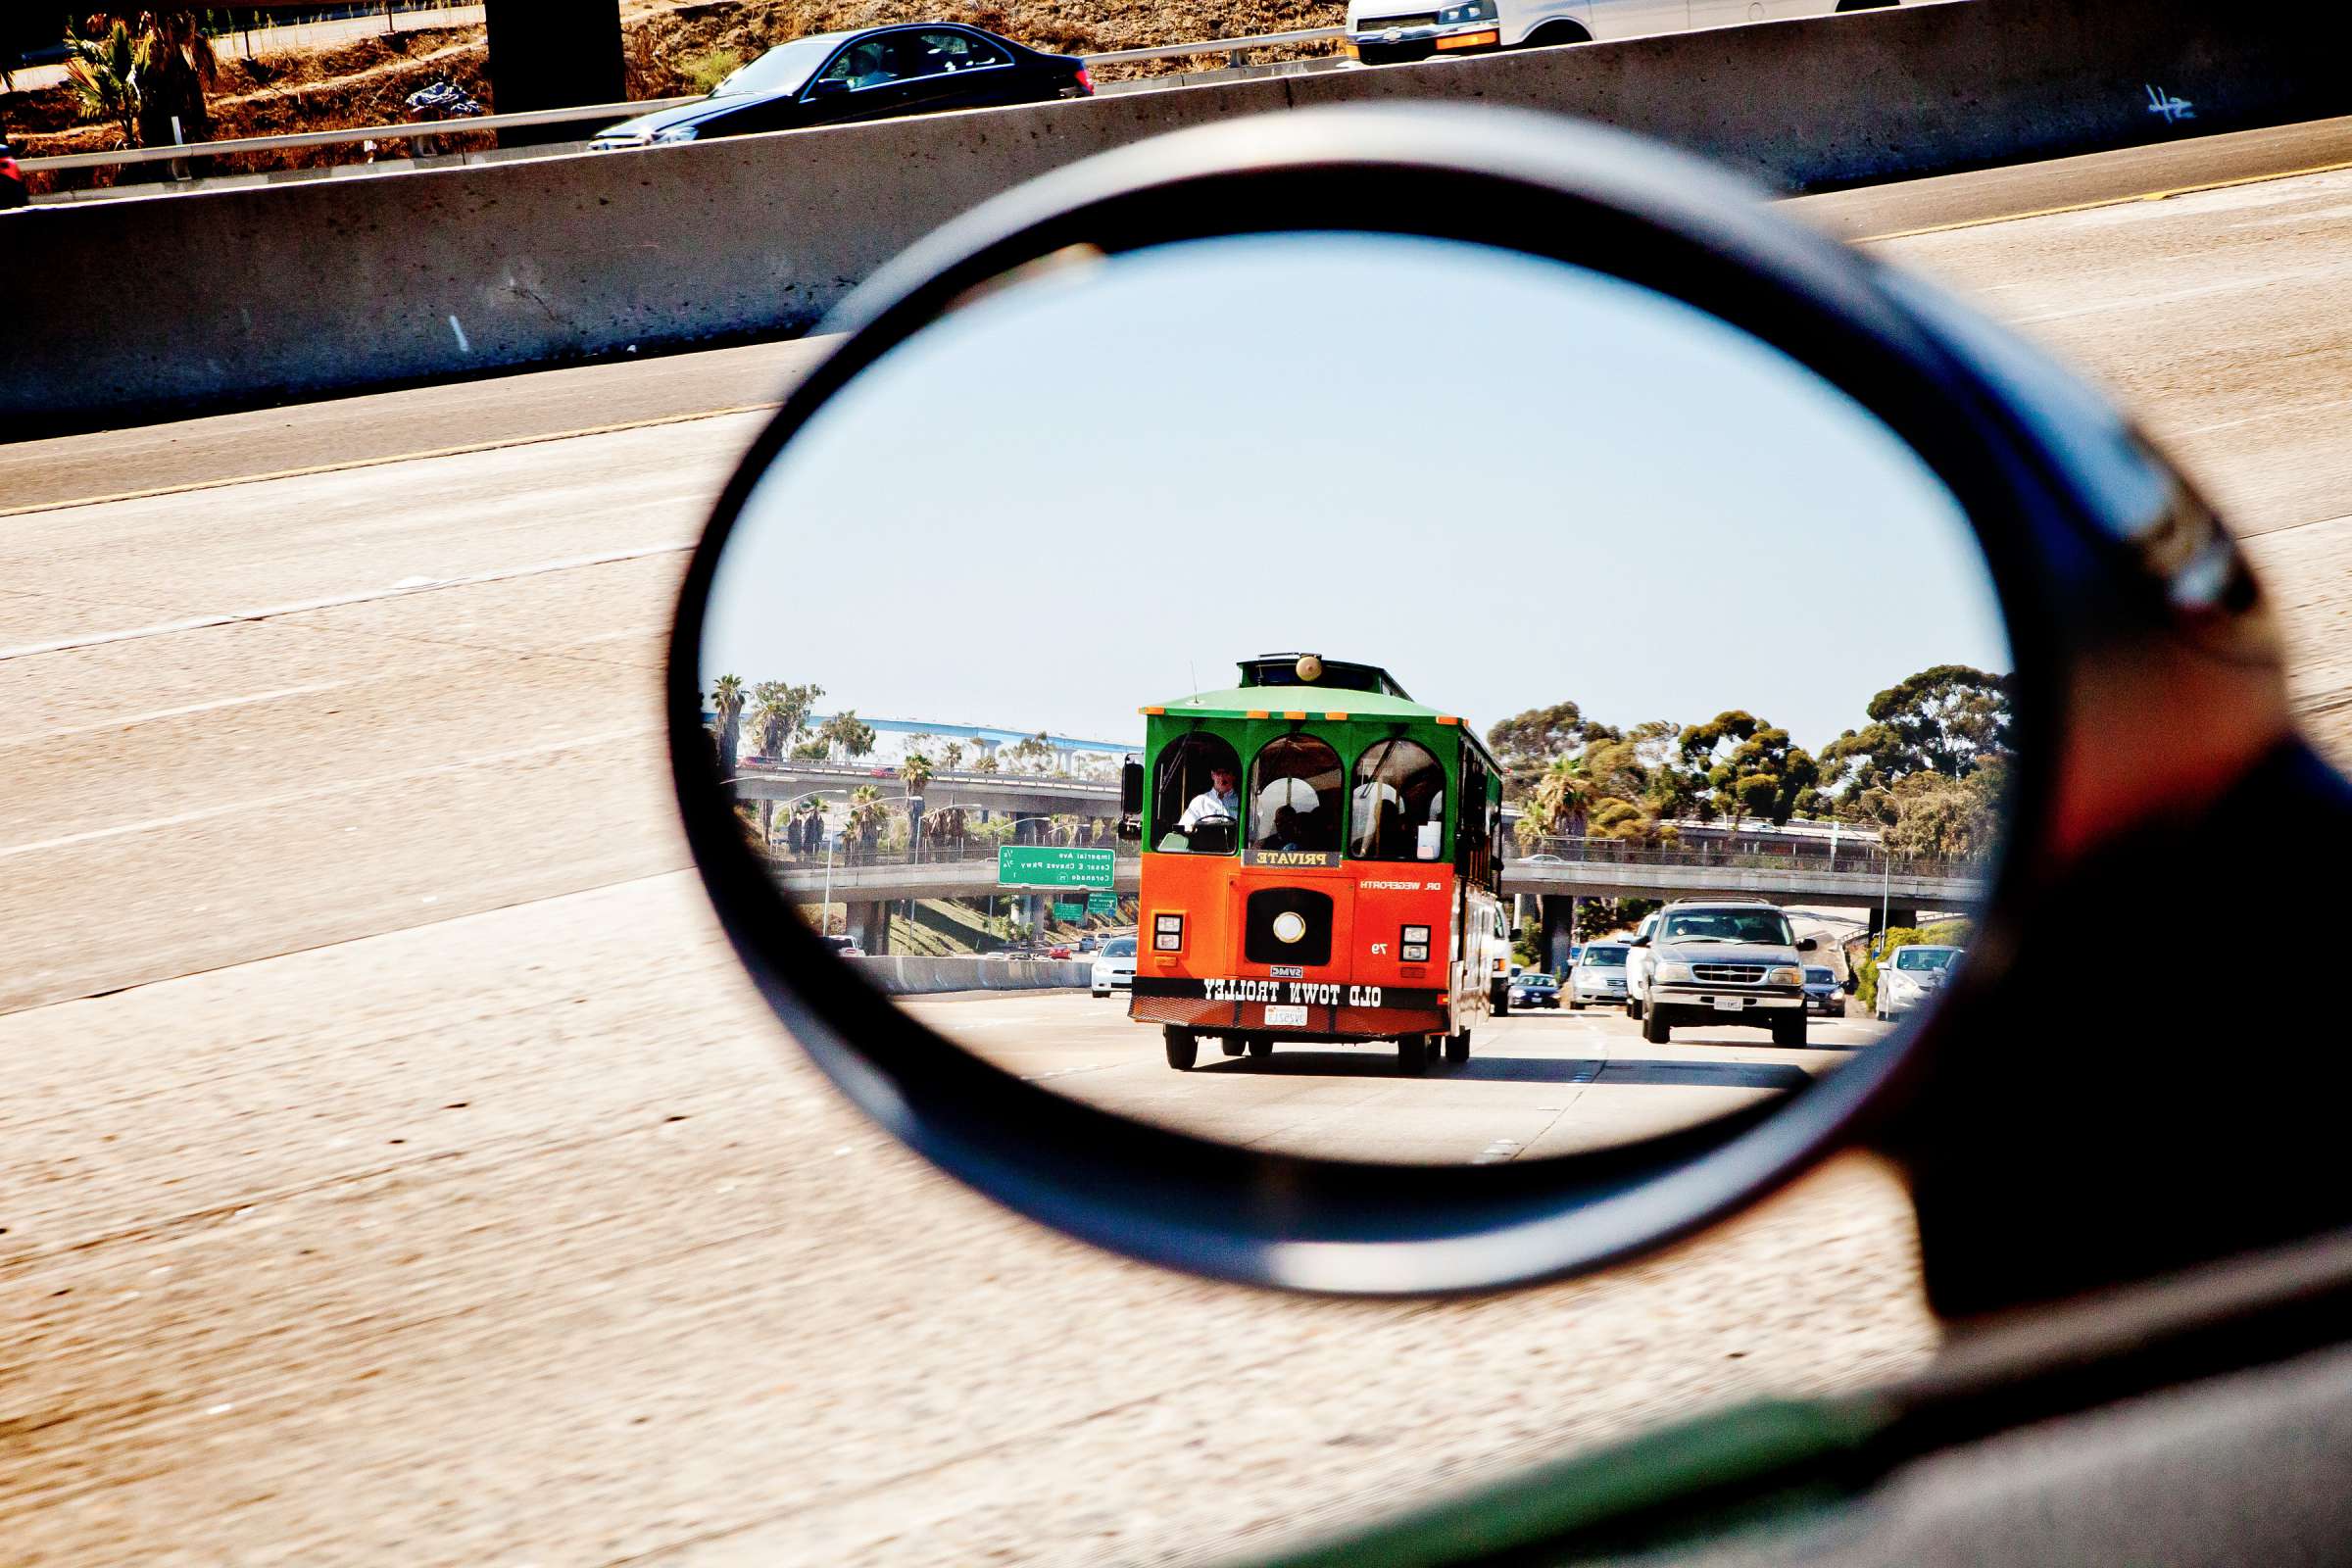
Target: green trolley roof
1315, 701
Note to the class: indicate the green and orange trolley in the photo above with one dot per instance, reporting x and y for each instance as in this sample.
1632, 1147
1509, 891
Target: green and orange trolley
1320, 865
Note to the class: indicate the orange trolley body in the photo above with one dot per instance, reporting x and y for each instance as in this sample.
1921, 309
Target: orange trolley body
1348, 891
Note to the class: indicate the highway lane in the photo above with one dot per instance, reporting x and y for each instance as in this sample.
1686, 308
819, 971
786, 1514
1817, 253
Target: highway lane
344, 1226
1537, 1084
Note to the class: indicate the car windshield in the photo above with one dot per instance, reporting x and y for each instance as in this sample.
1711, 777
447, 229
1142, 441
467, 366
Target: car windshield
1604, 958
1119, 948
1820, 977
1926, 957
783, 68
1764, 926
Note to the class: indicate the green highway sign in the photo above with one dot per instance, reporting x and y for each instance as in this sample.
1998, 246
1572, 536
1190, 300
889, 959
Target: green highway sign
1069, 912
1103, 903
1027, 866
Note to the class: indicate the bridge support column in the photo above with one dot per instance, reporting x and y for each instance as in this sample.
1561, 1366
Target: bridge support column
1560, 930
869, 926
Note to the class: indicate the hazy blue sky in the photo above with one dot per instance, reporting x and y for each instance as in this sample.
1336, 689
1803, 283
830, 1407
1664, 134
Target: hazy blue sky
1509, 482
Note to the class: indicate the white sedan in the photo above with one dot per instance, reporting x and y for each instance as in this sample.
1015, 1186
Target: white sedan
1114, 966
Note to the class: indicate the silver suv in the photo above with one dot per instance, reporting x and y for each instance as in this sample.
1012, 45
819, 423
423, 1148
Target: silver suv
1716, 961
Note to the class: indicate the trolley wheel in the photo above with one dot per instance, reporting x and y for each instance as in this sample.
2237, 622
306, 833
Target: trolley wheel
1499, 1000
1789, 1031
1184, 1047
1412, 1055
1261, 1045
1654, 1027
1457, 1047
1231, 1044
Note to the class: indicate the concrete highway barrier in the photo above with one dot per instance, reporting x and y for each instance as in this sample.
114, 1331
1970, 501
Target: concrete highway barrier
907, 974
257, 294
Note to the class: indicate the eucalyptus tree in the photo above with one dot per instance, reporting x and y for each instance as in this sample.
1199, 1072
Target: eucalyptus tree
1737, 766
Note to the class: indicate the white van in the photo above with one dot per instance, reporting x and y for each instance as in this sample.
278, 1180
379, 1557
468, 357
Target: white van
1638, 964
1383, 32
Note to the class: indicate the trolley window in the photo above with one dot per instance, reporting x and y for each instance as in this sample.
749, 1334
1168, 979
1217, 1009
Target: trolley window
1295, 795
1197, 801
1397, 811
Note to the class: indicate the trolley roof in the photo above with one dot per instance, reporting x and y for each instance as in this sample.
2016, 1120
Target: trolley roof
1271, 689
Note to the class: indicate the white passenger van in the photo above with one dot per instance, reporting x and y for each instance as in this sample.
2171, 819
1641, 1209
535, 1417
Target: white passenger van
1384, 32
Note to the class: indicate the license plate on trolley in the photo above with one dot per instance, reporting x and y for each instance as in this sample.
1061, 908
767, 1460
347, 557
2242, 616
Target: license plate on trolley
1295, 1016
1729, 1004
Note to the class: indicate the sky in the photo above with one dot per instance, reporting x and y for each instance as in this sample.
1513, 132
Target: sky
1511, 483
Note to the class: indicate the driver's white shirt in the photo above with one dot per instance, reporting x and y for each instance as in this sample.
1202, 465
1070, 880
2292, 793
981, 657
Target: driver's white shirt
1208, 803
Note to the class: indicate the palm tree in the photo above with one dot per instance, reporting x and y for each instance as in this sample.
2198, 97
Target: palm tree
780, 711
867, 812
847, 733
180, 69
726, 693
915, 771
950, 755
1558, 802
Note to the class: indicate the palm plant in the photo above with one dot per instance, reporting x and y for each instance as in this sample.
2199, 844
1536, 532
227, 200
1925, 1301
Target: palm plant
868, 810
181, 68
915, 771
780, 711
848, 734
950, 755
104, 67
726, 694
1558, 804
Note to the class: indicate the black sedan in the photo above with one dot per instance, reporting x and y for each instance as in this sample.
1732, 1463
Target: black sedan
831, 77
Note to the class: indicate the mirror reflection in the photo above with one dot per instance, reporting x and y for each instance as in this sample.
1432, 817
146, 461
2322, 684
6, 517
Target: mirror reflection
1366, 696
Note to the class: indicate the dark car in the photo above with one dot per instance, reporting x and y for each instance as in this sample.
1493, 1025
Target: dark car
12, 179
829, 78
1535, 991
1823, 993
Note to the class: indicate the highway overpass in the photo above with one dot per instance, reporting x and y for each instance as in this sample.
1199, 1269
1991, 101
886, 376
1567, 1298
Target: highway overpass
1012, 794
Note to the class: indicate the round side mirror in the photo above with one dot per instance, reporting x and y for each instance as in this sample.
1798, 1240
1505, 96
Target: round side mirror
1089, 471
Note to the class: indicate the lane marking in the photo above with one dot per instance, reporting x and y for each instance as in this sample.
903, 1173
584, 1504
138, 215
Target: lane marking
34, 735
2106, 201
400, 590
350, 464
326, 791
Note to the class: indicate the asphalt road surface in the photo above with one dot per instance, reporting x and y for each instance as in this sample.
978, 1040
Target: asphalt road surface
1537, 1083
395, 1167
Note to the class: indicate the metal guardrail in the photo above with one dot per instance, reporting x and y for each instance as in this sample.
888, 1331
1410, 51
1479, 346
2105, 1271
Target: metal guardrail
1860, 858
407, 131
847, 858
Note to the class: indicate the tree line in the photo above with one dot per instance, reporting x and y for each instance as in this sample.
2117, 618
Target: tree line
1926, 768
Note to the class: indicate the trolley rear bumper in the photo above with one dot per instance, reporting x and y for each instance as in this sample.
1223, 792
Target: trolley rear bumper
1296, 1010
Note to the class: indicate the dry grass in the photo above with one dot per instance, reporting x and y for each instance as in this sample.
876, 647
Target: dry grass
365, 82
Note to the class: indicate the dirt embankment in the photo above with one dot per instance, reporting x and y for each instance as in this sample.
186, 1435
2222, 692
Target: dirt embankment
669, 50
